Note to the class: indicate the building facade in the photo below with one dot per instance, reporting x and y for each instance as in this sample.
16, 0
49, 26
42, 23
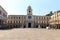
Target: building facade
3, 17
55, 20
28, 21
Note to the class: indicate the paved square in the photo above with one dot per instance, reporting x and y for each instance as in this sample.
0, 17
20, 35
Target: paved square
29, 34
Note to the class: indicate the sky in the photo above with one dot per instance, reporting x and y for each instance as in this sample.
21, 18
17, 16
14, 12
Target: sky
40, 7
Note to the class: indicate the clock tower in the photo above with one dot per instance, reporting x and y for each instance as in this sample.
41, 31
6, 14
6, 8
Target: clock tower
29, 17
29, 13
29, 10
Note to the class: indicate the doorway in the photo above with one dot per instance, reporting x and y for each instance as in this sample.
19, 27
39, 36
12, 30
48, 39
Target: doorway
29, 25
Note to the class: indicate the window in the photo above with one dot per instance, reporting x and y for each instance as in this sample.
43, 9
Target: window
43, 17
43, 21
19, 17
11, 21
4, 15
11, 17
8, 22
14, 17
0, 12
47, 17
19, 21
39, 17
38, 21
29, 17
14, 21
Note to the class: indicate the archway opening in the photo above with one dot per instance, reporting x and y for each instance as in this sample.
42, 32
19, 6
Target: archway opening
29, 25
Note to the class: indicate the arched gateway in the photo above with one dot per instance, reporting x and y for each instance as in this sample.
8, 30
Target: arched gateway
29, 25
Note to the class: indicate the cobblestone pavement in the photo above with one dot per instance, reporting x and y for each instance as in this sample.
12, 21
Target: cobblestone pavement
29, 34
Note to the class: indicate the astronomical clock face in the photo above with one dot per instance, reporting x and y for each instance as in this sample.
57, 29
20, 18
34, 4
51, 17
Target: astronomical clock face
29, 17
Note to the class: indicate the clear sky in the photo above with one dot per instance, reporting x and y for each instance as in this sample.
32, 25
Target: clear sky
40, 7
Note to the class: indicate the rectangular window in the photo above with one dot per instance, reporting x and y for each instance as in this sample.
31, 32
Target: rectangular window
47, 17
4, 15
19, 17
18, 21
8, 22
42, 18
11, 17
11, 21
0, 12
14, 21
39, 17
14, 17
